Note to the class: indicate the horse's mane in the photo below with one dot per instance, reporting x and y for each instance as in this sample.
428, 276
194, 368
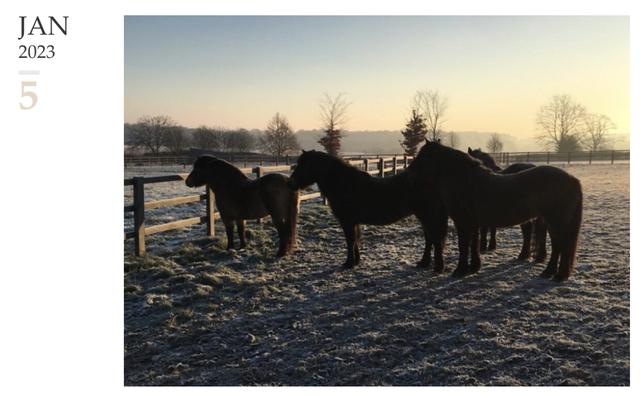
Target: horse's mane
332, 160
232, 170
459, 160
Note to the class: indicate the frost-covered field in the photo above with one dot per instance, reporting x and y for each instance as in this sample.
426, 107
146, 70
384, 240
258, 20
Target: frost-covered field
198, 315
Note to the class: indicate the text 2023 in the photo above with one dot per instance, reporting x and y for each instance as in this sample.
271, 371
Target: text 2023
36, 51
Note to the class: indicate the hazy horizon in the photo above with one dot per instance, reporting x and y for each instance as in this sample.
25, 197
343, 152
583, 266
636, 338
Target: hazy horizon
496, 71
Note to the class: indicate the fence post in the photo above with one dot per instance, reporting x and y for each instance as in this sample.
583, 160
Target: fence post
527, 156
406, 162
211, 218
138, 214
366, 165
568, 157
589, 157
612, 153
395, 165
381, 167
286, 159
258, 171
507, 158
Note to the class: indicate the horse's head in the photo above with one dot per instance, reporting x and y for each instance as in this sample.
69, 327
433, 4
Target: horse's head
201, 168
304, 173
486, 159
426, 161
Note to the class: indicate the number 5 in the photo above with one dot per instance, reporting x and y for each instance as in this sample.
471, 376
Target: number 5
31, 94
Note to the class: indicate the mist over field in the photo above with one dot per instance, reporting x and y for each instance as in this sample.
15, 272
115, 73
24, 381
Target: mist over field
388, 142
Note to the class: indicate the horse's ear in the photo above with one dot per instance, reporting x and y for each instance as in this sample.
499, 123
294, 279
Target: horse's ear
469, 150
426, 140
303, 151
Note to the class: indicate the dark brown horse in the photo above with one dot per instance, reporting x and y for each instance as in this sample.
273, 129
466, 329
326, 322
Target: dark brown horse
239, 198
475, 196
540, 239
358, 198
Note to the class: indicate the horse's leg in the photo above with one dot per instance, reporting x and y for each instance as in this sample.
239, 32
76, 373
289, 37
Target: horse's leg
569, 244
492, 241
228, 227
281, 227
425, 262
552, 266
483, 238
475, 253
357, 243
463, 248
540, 240
438, 236
525, 252
349, 234
438, 245
241, 233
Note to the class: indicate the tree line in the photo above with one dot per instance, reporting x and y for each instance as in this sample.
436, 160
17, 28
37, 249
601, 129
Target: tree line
563, 125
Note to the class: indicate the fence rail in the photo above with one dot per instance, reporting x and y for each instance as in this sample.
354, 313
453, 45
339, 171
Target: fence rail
375, 166
568, 157
505, 158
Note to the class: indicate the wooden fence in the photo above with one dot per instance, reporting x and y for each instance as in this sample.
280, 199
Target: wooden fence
504, 158
607, 156
374, 166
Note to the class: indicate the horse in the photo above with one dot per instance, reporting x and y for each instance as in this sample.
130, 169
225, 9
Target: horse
239, 198
540, 243
475, 196
356, 198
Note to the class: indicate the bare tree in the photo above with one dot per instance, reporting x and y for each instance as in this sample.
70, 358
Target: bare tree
175, 139
433, 106
333, 114
561, 123
205, 138
597, 128
495, 145
278, 138
150, 132
240, 140
451, 139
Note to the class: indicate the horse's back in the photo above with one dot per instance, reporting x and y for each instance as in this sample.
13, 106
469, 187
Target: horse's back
509, 199
517, 167
366, 199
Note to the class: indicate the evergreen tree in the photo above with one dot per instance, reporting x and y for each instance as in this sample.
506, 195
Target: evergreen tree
414, 133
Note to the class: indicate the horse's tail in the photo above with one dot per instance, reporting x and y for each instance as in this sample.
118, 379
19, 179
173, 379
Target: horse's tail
292, 218
568, 262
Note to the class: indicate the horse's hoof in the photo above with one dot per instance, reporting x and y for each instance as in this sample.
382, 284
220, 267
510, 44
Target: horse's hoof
560, 278
438, 270
459, 273
523, 257
547, 273
423, 264
348, 265
540, 259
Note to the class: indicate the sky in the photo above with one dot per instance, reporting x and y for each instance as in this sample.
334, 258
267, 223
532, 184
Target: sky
496, 72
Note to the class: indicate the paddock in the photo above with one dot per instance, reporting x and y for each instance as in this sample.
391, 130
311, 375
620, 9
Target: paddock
196, 314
